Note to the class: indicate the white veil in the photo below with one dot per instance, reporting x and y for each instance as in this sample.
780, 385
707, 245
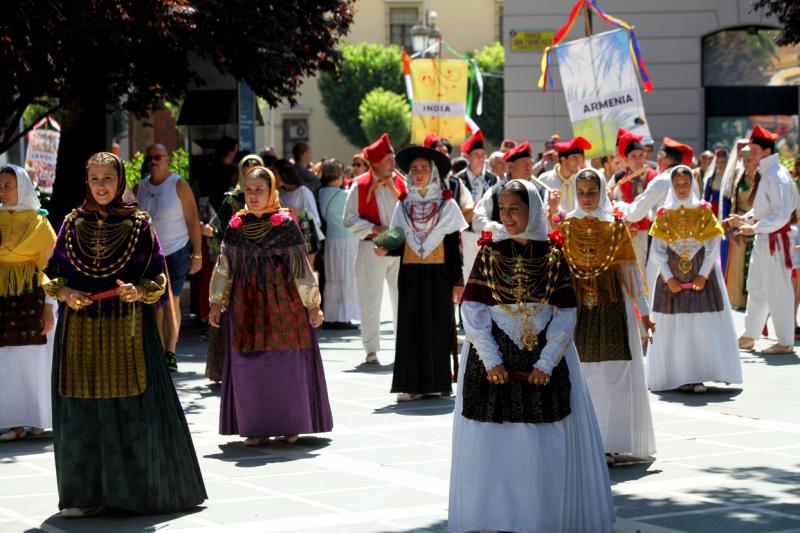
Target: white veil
603, 209
672, 201
732, 170
538, 225
26, 192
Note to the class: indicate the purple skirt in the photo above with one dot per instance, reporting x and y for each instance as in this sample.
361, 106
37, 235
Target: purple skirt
274, 393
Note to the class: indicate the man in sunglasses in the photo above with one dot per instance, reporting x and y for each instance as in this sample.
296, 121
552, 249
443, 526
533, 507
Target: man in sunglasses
171, 205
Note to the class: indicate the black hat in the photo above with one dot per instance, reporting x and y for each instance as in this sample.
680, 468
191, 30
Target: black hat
408, 154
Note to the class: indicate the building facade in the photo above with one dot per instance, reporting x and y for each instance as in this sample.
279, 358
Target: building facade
465, 24
713, 63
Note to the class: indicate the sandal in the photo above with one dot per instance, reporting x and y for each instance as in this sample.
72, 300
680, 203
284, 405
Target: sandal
290, 439
778, 349
78, 512
13, 434
747, 345
255, 441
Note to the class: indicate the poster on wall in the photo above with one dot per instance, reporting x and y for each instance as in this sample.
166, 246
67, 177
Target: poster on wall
440, 98
42, 153
601, 86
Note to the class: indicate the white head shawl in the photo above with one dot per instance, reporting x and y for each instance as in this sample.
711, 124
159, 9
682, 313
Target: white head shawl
433, 187
603, 209
538, 225
26, 192
732, 170
672, 201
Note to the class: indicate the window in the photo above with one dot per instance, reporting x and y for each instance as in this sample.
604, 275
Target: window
401, 20
749, 57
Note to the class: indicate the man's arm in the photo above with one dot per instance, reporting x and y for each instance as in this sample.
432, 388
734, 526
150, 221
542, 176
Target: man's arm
651, 198
192, 223
358, 226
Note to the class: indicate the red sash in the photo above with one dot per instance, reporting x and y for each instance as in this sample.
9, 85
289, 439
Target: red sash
783, 235
369, 210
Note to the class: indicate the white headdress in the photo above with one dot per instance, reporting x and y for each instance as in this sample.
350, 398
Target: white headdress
672, 201
603, 209
538, 225
27, 200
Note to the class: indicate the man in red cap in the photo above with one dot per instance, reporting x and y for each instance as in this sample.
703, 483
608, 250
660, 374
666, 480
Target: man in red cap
769, 280
486, 216
368, 212
671, 154
571, 159
633, 179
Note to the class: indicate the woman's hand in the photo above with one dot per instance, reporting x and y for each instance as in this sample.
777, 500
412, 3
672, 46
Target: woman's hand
379, 250
699, 283
48, 319
206, 230
553, 199
497, 375
315, 317
537, 377
214, 312
649, 326
76, 300
674, 285
458, 291
128, 292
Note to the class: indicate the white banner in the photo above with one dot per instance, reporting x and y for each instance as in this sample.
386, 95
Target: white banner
439, 109
41, 157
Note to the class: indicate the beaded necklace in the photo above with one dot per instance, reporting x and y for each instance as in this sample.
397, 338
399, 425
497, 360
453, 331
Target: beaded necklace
582, 249
100, 241
422, 215
520, 278
256, 231
678, 227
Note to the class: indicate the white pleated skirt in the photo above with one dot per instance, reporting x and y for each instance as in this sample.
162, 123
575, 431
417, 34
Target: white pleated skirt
340, 295
26, 384
694, 348
531, 478
620, 398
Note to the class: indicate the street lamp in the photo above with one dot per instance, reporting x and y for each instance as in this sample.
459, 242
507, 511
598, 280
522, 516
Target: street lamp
424, 35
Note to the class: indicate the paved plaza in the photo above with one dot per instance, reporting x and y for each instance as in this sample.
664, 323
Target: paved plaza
727, 461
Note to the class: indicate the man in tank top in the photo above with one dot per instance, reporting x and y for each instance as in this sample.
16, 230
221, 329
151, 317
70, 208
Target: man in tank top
171, 204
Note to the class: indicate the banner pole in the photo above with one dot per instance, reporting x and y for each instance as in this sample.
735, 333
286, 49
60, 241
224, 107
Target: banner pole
587, 16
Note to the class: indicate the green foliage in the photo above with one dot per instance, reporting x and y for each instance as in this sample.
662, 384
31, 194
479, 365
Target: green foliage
385, 111
787, 12
179, 164
36, 110
364, 67
491, 60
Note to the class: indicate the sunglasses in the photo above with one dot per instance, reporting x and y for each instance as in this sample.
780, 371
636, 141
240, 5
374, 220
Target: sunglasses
359, 164
154, 157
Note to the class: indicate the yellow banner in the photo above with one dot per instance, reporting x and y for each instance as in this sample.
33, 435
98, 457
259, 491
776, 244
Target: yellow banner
440, 99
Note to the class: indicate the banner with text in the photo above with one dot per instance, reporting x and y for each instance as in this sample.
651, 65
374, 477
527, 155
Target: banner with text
440, 98
41, 157
602, 89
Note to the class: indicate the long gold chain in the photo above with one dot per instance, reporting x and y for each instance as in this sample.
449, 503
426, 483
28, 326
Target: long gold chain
678, 228
587, 244
256, 231
100, 243
521, 284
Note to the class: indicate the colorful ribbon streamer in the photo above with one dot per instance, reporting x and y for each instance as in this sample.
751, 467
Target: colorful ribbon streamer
641, 69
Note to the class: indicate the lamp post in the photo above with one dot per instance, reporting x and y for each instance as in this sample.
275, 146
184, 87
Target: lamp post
423, 36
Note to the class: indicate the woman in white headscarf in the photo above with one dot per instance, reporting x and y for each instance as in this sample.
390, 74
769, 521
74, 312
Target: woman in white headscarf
610, 289
696, 339
527, 452
26, 314
430, 278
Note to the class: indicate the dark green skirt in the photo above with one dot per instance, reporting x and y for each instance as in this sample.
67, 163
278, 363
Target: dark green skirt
133, 454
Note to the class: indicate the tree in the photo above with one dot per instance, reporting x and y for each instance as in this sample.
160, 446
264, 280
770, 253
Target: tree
385, 111
788, 13
364, 67
92, 55
491, 60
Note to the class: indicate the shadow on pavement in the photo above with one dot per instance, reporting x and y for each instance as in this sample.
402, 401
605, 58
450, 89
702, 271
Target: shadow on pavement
428, 406
117, 521
27, 446
621, 474
274, 451
364, 368
712, 395
778, 360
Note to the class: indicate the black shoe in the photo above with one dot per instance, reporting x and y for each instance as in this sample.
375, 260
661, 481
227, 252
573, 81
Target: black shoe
172, 361
350, 325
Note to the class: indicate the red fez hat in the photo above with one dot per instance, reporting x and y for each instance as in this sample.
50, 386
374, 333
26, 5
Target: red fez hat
475, 142
674, 148
576, 145
628, 143
430, 140
375, 152
761, 133
621, 133
518, 152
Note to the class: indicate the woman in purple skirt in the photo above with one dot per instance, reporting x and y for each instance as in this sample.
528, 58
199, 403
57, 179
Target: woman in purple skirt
273, 380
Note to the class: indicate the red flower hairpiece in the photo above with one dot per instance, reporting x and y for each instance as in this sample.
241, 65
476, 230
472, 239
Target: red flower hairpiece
447, 194
661, 211
705, 205
277, 219
486, 238
556, 238
618, 214
236, 221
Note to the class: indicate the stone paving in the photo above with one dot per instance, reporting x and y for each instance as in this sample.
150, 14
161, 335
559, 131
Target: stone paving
727, 461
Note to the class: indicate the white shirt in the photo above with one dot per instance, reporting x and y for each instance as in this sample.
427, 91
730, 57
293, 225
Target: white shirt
775, 199
653, 197
302, 199
165, 208
361, 227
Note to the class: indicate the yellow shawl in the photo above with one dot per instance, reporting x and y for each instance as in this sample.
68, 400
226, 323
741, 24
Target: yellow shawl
698, 223
26, 243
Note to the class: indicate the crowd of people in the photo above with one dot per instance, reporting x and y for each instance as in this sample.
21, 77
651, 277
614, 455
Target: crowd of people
579, 285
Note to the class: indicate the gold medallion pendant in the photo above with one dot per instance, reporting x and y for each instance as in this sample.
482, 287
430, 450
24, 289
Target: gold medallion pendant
685, 266
591, 297
528, 337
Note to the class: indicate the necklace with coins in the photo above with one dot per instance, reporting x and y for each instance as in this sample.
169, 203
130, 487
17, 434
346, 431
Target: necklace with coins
519, 278
108, 246
590, 251
678, 227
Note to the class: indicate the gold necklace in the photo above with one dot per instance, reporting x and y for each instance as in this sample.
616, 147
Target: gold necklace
256, 231
518, 278
678, 228
100, 242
